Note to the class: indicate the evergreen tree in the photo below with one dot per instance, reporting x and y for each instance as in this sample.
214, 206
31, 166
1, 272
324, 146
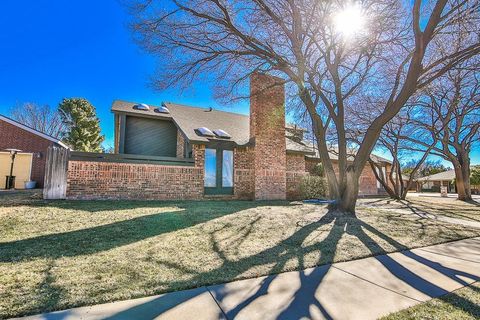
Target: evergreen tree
82, 125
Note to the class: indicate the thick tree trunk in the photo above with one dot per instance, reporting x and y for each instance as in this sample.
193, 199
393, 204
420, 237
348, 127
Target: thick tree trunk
347, 198
462, 178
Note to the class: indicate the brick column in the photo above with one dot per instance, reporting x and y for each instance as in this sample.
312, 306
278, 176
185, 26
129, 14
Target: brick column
267, 131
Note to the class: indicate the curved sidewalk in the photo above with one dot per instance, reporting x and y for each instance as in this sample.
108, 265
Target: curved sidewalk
361, 289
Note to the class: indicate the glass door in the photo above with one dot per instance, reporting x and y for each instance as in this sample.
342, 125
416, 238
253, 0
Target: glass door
218, 171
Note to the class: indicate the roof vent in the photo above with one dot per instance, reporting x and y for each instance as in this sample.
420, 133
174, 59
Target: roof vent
142, 107
222, 134
162, 109
204, 132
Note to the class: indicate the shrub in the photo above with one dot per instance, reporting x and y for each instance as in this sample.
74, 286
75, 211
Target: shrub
318, 170
313, 187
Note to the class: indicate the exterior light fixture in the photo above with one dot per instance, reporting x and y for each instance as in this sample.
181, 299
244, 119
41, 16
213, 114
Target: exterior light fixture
10, 179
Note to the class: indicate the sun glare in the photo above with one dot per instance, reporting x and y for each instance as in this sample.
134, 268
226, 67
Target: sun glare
350, 21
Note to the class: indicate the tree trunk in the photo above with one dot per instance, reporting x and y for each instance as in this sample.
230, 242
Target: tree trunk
347, 199
462, 178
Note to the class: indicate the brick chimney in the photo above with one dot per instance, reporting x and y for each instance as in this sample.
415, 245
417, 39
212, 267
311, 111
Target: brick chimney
267, 132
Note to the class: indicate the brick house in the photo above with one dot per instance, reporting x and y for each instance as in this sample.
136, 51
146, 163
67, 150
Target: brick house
30, 162
224, 154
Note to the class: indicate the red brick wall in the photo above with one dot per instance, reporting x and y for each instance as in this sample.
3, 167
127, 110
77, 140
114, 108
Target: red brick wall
108, 180
367, 181
112, 180
180, 145
267, 129
295, 172
17, 138
244, 187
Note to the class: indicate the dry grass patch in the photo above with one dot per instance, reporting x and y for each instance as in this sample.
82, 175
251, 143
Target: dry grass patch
462, 304
57, 255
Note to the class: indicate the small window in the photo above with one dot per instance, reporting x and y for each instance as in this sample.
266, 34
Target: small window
221, 134
142, 107
188, 151
204, 132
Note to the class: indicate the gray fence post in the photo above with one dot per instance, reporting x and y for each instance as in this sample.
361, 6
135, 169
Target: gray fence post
55, 184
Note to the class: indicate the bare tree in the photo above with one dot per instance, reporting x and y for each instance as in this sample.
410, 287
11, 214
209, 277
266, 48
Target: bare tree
324, 68
395, 182
41, 118
450, 110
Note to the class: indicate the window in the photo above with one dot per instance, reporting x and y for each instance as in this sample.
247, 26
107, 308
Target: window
221, 134
204, 132
218, 171
210, 168
187, 150
227, 168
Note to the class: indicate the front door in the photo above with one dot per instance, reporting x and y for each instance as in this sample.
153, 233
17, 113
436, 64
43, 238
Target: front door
218, 171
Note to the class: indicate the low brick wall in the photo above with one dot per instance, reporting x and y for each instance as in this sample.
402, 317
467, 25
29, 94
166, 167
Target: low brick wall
110, 180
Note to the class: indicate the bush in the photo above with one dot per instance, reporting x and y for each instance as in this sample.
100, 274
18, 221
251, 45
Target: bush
318, 170
313, 187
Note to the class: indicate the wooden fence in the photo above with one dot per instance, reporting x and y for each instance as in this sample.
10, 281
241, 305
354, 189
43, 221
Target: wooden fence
55, 183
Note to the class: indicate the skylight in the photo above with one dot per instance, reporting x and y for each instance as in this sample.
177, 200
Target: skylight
162, 109
141, 106
204, 132
222, 134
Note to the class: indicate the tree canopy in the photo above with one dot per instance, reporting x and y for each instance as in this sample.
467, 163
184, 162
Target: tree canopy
82, 125
397, 49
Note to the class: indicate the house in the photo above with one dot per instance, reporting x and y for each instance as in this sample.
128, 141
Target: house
30, 161
224, 154
433, 182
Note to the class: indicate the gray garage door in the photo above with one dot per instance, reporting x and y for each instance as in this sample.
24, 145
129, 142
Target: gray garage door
150, 137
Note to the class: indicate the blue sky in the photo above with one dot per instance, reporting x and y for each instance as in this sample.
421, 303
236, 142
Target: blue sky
54, 49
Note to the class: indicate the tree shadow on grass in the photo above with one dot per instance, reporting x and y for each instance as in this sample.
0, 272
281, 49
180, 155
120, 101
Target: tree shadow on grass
303, 300
446, 211
113, 235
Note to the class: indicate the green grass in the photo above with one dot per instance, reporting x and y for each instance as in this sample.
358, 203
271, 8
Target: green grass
462, 304
61, 254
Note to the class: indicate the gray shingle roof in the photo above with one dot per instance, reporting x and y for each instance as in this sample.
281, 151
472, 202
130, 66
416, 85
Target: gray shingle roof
350, 157
190, 118
442, 176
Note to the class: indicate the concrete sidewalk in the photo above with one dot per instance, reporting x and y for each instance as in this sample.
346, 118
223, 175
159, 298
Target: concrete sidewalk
360, 289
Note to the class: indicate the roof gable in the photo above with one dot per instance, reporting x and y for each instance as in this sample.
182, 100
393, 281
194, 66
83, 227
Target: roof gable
33, 131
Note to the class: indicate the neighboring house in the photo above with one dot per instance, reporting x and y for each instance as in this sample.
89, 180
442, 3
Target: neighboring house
30, 161
234, 155
433, 182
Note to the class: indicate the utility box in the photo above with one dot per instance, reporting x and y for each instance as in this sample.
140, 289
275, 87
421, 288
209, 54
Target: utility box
444, 191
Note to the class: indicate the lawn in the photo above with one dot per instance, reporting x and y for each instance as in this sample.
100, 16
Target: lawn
60, 254
462, 304
448, 207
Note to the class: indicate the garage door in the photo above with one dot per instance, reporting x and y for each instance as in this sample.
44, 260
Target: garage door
22, 168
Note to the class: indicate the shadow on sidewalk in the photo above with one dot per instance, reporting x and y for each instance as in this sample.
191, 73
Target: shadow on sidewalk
303, 301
